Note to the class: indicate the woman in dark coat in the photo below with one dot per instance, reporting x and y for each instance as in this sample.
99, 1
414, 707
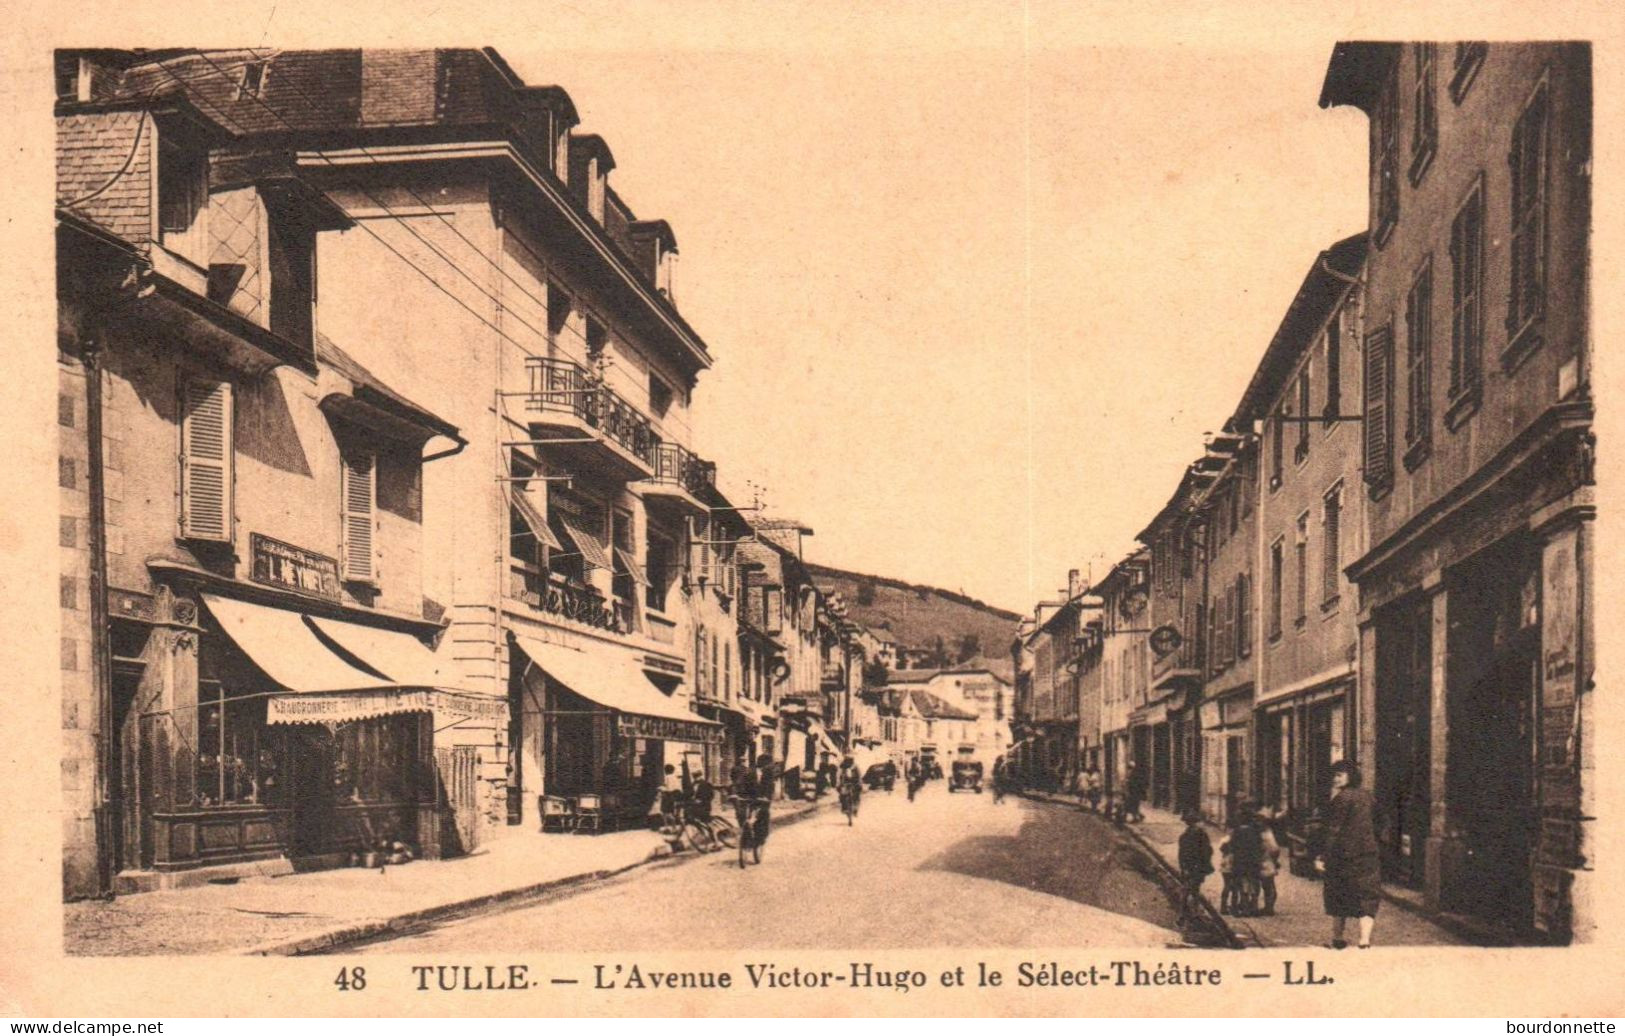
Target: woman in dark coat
1349, 857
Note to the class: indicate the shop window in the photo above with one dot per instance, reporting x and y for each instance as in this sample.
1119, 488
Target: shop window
207, 460
237, 758
377, 760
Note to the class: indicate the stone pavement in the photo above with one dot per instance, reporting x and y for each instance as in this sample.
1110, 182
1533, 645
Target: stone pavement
302, 913
1299, 918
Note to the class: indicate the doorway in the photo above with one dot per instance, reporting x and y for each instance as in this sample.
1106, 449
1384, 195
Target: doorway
311, 750
1404, 731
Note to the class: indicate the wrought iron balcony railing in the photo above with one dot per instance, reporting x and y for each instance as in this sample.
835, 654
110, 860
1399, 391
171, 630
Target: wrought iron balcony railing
564, 387
675, 465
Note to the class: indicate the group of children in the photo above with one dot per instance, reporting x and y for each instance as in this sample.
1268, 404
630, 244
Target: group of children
1249, 859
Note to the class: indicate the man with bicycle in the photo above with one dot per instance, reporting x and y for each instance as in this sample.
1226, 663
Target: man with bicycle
751, 786
849, 783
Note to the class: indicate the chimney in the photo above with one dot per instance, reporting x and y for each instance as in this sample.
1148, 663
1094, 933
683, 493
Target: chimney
1074, 585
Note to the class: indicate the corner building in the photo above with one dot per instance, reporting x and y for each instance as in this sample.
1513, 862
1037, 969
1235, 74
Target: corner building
1475, 586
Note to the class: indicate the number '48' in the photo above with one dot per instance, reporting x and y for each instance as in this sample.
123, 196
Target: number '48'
351, 978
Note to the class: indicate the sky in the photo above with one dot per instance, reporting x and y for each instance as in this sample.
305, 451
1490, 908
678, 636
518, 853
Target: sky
975, 288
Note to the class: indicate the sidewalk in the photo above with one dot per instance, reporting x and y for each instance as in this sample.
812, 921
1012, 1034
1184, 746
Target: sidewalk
1299, 918
302, 913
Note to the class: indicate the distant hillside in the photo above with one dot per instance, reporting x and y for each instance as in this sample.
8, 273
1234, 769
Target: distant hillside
917, 615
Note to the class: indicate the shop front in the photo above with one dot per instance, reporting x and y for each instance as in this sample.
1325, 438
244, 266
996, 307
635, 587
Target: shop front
1225, 725
1299, 736
271, 738
608, 733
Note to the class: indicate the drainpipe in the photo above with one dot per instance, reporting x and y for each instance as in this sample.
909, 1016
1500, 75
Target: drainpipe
101, 660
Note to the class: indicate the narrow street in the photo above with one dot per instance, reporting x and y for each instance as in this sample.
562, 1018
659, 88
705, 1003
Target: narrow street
950, 869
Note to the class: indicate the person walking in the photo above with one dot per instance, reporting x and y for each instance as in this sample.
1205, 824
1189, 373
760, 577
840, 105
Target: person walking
1134, 791
915, 777
1349, 860
1092, 788
999, 777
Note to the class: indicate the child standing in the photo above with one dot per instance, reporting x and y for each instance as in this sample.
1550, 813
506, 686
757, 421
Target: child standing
1227, 871
1270, 861
1195, 860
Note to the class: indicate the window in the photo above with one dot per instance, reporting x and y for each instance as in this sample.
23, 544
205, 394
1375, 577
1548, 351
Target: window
597, 339
237, 759
1244, 627
1301, 549
727, 670
1334, 366
1386, 154
251, 84
626, 578
1275, 589
206, 461
1418, 365
1425, 123
183, 187
359, 497
657, 568
702, 683
1300, 451
291, 255
558, 311
1466, 298
579, 525
660, 396
1379, 392
1249, 475
1527, 301
1333, 549
1464, 68
1276, 429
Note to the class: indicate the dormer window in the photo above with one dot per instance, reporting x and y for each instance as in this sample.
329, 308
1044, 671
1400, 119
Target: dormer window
561, 153
595, 190
665, 275
183, 192
251, 84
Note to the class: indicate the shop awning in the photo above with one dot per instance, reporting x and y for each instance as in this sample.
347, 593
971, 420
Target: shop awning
401, 657
591, 548
615, 681
533, 519
280, 642
295, 651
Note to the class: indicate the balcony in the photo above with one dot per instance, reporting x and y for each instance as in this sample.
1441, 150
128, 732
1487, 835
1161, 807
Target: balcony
595, 427
680, 478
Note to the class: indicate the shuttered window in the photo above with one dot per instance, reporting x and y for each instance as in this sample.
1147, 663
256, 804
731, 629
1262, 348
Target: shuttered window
1244, 628
1467, 294
1527, 300
357, 516
1419, 359
1379, 389
206, 460
1333, 560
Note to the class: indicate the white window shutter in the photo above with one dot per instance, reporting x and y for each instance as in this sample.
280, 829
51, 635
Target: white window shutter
206, 460
357, 518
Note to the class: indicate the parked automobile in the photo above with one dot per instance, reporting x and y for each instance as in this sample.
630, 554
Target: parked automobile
967, 774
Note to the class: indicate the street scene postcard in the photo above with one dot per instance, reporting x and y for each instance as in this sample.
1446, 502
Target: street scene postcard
712, 509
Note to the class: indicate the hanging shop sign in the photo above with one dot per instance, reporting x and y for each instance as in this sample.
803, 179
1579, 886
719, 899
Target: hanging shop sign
293, 568
1166, 640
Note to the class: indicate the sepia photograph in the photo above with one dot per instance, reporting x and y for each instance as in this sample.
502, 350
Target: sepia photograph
1123, 496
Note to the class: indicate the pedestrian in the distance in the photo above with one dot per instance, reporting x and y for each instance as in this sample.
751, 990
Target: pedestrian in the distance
1195, 861
998, 780
1246, 859
1349, 860
1092, 789
1133, 793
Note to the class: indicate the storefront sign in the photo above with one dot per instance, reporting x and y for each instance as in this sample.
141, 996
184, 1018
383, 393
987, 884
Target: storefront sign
633, 725
294, 568
1165, 640
344, 708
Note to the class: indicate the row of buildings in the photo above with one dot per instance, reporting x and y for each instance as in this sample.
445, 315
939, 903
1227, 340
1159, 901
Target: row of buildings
380, 513
1385, 555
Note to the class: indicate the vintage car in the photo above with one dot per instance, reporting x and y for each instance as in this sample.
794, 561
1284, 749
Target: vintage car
967, 774
881, 776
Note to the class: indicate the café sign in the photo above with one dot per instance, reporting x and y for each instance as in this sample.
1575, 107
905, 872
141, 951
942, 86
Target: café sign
293, 568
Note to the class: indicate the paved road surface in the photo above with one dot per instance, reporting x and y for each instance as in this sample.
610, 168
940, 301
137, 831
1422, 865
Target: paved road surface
945, 870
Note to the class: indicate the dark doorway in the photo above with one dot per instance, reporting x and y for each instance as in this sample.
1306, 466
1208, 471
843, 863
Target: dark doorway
311, 751
128, 798
1404, 729
1490, 777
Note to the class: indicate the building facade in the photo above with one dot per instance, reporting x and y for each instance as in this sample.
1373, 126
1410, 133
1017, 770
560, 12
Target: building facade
1475, 581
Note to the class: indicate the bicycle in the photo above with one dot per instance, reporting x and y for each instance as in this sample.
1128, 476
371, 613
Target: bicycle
681, 830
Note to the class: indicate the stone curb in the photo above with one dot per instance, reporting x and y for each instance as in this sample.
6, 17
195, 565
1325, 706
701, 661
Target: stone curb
1237, 939
355, 931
